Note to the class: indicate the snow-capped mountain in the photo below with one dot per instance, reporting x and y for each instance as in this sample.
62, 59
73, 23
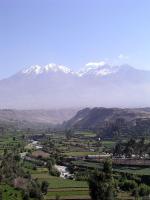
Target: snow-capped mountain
57, 86
90, 69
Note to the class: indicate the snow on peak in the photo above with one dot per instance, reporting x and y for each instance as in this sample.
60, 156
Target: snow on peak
91, 69
98, 69
34, 68
52, 67
56, 68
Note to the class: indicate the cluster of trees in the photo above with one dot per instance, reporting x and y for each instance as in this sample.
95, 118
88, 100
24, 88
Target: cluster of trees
104, 185
138, 148
133, 184
35, 190
10, 166
12, 173
49, 146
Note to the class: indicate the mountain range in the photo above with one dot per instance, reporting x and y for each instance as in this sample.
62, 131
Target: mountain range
56, 87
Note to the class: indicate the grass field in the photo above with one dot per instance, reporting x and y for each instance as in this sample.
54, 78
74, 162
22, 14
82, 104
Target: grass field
57, 182
134, 170
88, 164
109, 144
8, 142
86, 134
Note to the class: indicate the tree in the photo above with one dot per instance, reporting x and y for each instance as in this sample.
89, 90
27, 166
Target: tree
25, 195
49, 165
44, 187
101, 184
118, 150
135, 193
107, 168
57, 197
1, 195
68, 134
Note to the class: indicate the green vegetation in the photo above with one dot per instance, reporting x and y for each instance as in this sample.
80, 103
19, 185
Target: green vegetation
9, 193
62, 187
34, 175
57, 182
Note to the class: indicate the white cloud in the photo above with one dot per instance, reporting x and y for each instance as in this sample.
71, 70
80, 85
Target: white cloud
123, 57
96, 64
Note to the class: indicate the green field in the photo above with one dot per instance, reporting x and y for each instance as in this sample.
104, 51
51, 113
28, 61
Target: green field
57, 182
131, 170
88, 164
109, 144
86, 134
134, 170
63, 187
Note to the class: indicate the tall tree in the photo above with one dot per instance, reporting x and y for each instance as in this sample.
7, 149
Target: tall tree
101, 184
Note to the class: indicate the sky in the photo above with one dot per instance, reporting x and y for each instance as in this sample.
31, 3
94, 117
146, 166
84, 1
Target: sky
73, 33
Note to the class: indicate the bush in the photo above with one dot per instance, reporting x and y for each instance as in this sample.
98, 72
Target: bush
135, 193
54, 172
25, 195
44, 187
128, 185
82, 176
34, 167
144, 190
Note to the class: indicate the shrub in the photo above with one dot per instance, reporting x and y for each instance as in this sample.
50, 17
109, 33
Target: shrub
128, 185
25, 195
144, 190
44, 187
54, 172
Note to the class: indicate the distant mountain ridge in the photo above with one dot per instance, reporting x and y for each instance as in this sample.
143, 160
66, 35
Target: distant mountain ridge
35, 118
110, 121
56, 86
89, 117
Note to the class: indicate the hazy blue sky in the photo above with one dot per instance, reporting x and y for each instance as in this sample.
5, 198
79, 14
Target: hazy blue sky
73, 33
